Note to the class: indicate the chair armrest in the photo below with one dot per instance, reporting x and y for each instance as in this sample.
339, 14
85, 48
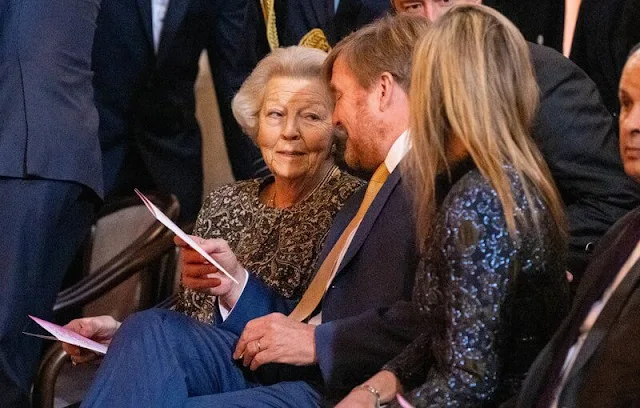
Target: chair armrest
45, 381
114, 272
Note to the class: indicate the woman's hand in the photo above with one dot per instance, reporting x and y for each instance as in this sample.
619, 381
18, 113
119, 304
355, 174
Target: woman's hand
200, 275
100, 329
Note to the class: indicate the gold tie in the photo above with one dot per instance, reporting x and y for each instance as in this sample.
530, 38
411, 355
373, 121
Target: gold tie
314, 293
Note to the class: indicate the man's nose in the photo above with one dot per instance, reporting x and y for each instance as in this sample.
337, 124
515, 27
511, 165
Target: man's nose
632, 121
430, 11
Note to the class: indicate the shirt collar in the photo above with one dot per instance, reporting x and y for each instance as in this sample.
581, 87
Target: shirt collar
398, 150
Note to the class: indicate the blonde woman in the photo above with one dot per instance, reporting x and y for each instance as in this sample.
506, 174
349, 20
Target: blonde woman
491, 283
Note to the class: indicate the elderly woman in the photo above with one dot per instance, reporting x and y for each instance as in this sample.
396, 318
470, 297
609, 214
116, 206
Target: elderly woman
275, 225
491, 283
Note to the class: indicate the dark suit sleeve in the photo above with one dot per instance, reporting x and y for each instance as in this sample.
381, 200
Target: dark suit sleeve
576, 135
256, 300
232, 57
352, 349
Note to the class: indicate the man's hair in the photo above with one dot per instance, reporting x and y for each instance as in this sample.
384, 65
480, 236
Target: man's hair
293, 62
385, 45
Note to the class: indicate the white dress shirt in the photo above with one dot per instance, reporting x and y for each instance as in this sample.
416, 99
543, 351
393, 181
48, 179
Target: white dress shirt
158, 12
590, 320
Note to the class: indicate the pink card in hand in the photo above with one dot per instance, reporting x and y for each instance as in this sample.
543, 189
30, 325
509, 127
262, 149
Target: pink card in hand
71, 337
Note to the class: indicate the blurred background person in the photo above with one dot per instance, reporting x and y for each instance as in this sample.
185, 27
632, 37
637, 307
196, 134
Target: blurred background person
577, 137
491, 225
50, 172
316, 23
605, 33
145, 58
540, 21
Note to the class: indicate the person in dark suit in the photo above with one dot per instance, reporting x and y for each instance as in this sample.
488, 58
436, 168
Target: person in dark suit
491, 284
577, 138
593, 359
318, 23
50, 173
602, 41
358, 312
145, 67
540, 21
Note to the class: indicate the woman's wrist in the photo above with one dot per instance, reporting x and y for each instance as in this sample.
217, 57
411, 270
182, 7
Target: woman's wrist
386, 384
373, 392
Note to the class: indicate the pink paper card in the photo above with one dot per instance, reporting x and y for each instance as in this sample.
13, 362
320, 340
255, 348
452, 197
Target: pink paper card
71, 337
403, 402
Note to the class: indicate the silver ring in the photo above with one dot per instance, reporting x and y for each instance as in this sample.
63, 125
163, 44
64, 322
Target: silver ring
258, 344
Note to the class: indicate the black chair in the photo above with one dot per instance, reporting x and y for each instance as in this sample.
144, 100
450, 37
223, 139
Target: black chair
129, 265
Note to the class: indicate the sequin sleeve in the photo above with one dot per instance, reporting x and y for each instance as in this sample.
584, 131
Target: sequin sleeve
472, 243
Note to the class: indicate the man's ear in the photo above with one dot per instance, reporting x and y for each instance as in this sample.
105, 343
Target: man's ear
386, 87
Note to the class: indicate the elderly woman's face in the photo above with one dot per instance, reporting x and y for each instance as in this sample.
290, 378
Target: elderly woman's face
294, 127
630, 117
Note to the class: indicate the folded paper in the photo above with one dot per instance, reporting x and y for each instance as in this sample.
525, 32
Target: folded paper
155, 211
69, 336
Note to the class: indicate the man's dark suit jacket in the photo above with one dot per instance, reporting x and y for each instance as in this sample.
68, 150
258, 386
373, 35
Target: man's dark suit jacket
367, 318
49, 124
607, 369
50, 170
536, 19
146, 100
576, 136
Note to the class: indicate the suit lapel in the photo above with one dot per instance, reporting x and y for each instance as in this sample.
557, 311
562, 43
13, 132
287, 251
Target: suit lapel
538, 375
589, 291
172, 20
340, 223
370, 217
607, 318
144, 6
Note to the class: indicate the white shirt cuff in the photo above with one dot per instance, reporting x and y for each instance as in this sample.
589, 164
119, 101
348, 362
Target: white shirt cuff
223, 310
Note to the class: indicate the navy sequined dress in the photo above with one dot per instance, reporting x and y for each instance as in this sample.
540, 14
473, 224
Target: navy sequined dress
490, 302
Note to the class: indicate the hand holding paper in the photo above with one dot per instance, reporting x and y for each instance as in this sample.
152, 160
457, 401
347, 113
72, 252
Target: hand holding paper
186, 238
68, 336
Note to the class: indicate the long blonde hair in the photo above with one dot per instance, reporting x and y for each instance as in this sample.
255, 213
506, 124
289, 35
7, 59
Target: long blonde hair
473, 82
